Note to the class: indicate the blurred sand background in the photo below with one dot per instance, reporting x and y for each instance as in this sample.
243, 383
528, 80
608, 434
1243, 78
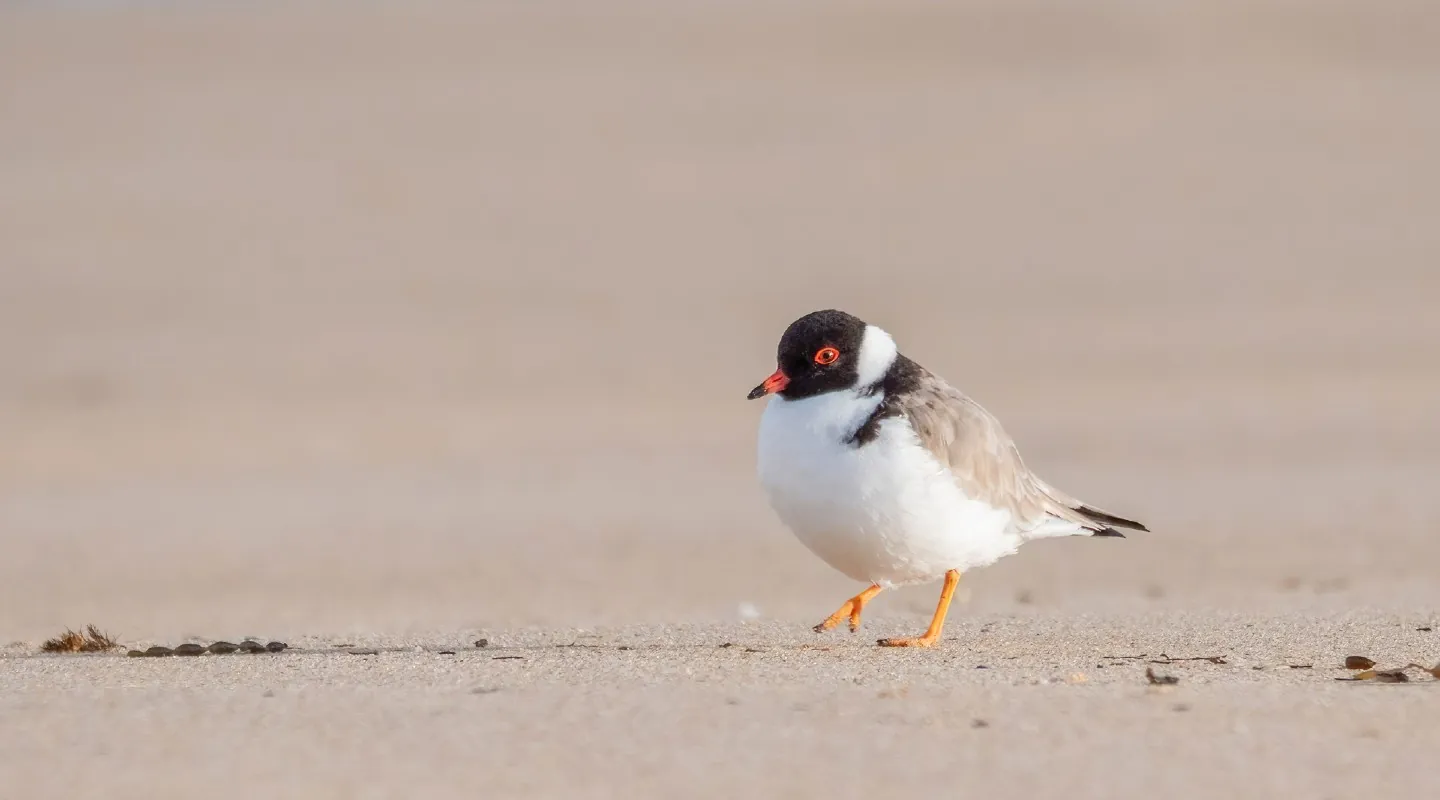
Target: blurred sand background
407, 324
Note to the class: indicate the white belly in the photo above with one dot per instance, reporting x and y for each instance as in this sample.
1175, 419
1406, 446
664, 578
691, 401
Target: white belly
886, 512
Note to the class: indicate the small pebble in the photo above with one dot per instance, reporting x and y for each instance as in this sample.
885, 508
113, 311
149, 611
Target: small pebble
482, 642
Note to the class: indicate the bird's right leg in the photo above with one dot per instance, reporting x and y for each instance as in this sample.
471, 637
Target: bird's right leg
851, 610
937, 623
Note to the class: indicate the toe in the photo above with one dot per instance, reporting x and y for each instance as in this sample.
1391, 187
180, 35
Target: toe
909, 641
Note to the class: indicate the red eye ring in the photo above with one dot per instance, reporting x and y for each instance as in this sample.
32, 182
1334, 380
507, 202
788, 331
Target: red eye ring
826, 356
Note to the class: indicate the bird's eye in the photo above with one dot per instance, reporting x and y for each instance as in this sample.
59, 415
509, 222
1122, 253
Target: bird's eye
826, 355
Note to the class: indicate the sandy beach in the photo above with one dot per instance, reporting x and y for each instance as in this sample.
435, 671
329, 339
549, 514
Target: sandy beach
395, 328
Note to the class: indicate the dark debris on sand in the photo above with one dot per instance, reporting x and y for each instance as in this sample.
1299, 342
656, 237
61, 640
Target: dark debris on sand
1159, 680
1367, 672
222, 648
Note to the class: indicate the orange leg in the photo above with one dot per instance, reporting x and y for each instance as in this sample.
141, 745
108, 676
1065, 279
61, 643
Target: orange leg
937, 624
850, 610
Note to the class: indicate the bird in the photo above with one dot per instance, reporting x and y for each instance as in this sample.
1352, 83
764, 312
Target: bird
892, 476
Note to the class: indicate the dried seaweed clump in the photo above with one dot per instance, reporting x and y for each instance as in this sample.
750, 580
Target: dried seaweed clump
93, 640
1369, 673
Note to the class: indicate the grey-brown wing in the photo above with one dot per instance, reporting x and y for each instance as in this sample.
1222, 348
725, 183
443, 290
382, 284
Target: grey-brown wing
986, 464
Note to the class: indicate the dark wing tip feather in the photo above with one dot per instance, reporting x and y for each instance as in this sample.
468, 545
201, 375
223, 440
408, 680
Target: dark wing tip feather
1110, 519
1108, 532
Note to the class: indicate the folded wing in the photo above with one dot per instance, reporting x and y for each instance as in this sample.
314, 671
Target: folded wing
987, 466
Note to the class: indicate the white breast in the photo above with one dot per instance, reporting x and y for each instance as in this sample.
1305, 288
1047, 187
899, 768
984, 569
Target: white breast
887, 511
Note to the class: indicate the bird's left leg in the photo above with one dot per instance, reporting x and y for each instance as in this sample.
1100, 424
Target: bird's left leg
937, 623
851, 610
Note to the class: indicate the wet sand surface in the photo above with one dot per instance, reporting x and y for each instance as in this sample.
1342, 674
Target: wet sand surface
404, 327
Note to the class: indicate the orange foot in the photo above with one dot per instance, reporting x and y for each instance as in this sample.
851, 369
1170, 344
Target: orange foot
937, 623
910, 641
851, 610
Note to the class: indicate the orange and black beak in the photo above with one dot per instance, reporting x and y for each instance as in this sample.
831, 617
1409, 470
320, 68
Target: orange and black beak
775, 383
